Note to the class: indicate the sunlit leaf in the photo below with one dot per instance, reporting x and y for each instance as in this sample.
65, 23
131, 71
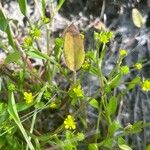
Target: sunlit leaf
37, 54
134, 82
137, 18
23, 6
3, 21
73, 48
124, 147
12, 57
94, 103
112, 106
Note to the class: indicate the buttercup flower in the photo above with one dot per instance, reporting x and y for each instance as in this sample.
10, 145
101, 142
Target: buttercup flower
28, 97
125, 70
27, 41
45, 19
53, 105
146, 85
138, 66
35, 33
78, 91
86, 65
70, 123
123, 52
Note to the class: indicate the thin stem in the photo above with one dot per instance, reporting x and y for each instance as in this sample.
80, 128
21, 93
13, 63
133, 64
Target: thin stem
35, 113
74, 77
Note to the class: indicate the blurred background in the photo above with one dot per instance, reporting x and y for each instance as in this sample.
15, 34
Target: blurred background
115, 15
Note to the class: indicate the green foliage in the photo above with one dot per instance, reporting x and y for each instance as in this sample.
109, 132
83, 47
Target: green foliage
23, 6
34, 101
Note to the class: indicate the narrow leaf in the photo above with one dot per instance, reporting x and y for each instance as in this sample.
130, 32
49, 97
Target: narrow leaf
59, 5
115, 81
37, 54
73, 48
94, 103
23, 6
12, 57
12, 109
43, 6
124, 147
137, 18
133, 83
112, 106
3, 21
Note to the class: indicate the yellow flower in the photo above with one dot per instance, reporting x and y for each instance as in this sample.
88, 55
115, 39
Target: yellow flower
28, 97
69, 122
146, 85
45, 19
78, 91
125, 70
138, 66
53, 105
86, 65
27, 41
35, 33
123, 52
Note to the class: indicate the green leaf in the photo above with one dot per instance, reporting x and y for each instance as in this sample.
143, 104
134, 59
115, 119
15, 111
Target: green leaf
91, 55
124, 147
12, 57
10, 37
148, 147
12, 109
21, 106
115, 81
112, 106
59, 5
92, 147
137, 18
37, 54
4, 26
113, 128
73, 48
135, 128
57, 48
121, 141
23, 6
133, 83
94, 103
3, 21
3, 112
43, 7
2, 141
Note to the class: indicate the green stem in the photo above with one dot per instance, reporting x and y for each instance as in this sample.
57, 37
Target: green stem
74, 77
35, 112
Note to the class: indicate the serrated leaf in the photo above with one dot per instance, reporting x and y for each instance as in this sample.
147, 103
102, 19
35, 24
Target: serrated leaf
133, 83
137, 18
94, 103
23, 6
73, 48
124, 147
